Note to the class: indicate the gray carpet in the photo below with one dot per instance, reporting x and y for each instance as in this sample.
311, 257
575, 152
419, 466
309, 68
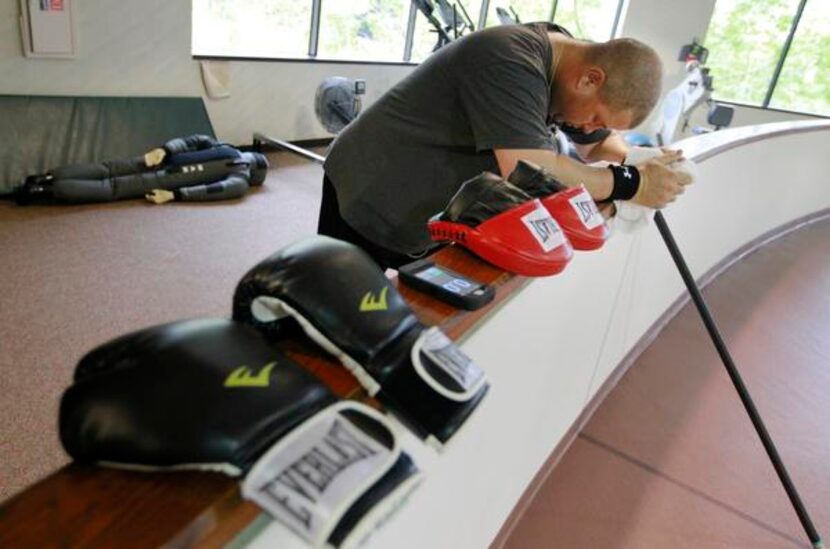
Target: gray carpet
76, 276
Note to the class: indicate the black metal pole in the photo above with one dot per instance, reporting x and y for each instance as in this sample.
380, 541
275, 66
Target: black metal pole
260, 138
714, 333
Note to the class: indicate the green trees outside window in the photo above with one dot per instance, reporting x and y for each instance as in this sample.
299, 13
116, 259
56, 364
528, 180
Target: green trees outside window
588, 19
746, 41
804, 84
363, 29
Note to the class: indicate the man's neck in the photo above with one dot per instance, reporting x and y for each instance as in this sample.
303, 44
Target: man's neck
567, 54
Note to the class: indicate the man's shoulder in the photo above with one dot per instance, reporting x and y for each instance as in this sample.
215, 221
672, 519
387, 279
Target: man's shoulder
527, 43
537, 31
533, 32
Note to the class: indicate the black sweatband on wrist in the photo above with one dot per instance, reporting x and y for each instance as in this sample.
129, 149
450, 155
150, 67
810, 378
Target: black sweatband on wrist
626, 182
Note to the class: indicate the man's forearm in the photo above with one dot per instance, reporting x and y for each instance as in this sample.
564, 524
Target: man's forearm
598, 181
654, 184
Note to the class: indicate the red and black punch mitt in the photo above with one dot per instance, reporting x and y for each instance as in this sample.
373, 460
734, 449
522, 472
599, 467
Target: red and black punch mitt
503, 225
572, 207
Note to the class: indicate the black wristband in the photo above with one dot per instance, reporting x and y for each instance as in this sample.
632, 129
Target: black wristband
626, 182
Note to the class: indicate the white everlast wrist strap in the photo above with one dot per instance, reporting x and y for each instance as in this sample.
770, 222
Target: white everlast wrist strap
434, 350
311, 477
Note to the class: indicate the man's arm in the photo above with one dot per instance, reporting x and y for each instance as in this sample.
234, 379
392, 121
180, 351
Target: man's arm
659, 184
598, 181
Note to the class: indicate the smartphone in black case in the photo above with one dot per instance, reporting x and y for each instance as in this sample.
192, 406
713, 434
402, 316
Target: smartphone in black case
446, 285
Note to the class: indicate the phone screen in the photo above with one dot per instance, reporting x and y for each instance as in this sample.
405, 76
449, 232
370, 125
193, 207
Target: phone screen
439, 277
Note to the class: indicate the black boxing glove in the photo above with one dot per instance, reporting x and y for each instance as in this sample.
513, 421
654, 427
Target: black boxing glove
504, 225
345, 303
481, 198
535, 180
214, 395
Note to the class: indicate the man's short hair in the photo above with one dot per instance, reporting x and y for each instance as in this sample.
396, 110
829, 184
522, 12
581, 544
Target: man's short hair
634, 75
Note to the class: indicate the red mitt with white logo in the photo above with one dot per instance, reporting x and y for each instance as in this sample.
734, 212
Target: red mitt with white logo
573, 208
505, 226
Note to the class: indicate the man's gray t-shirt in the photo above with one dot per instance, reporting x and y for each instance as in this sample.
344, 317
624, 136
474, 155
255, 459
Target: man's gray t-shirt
401, 160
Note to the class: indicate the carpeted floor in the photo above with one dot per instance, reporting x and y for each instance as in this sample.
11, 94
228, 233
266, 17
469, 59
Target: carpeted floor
74, 276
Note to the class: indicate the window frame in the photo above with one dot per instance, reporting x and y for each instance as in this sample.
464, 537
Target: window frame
615, 26
772, 109
784, 51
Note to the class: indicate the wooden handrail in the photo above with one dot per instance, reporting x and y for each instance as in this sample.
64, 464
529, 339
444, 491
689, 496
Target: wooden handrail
88, 506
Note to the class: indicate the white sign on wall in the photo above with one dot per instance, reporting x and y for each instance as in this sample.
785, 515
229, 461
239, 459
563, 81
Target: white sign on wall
47, 29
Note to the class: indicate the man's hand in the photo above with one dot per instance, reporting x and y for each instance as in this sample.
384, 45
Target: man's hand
160, 196
607, 209
659, 183
154, 157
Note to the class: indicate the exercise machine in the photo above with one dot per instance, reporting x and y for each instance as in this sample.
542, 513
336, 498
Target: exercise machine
681, 102
454, 22
507, 16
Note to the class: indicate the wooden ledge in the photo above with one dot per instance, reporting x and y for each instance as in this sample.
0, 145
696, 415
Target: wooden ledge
83, 506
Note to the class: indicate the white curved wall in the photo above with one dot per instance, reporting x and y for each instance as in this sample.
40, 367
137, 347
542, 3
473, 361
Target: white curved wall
550, 348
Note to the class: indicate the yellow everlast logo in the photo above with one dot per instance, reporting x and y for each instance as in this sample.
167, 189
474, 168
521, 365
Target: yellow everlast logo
372, 303
244, 377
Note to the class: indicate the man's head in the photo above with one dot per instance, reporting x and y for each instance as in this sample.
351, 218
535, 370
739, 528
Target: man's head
613, 84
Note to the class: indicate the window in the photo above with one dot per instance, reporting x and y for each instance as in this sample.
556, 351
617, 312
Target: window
257, 28
527, 10
424, 40
804, 83
374, 30
771, 53
390, 31
588, 19
426, 37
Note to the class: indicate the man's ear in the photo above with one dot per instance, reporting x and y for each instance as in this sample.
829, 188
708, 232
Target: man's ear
591, 80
